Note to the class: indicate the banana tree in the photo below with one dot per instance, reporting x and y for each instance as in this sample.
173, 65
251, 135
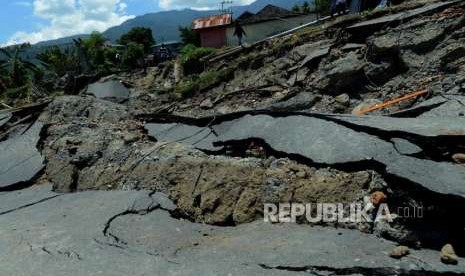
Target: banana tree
18, 71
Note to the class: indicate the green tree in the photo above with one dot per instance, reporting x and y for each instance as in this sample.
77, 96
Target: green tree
139, 35
94, 48
97, 53
323, 6
60, 61
296, 8
306, 8
133, 54
189, 36
83, 58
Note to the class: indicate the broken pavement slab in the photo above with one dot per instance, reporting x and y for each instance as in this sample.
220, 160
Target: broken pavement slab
200, 137
315, 55
452, 107
420, 108
20, 160
427, 127
60, 237
405, 147
110, 90
325, 142
392, 20
301, 101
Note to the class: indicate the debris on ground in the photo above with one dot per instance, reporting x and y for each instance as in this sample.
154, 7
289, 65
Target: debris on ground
448, 255
399, 252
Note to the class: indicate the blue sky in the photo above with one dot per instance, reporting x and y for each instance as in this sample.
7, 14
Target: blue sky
38, 20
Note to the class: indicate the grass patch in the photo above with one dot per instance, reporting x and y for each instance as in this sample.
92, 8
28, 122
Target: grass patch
203, 81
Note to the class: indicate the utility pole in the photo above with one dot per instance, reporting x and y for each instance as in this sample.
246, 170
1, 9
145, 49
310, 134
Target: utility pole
223, 7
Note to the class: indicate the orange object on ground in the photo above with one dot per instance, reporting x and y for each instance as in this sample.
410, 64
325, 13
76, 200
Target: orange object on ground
393, 102
377, 198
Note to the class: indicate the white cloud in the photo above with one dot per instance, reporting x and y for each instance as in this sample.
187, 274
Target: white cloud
197, 4
70, 17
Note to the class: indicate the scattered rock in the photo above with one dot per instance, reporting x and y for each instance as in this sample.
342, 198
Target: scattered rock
301, 101
399, 252
206, 104
301, 174
342, 73
343, 99
405, 147
448, 255
459, 158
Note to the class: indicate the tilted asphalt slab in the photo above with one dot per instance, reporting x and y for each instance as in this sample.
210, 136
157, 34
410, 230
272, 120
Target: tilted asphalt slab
20, 160
109, 90
340, 140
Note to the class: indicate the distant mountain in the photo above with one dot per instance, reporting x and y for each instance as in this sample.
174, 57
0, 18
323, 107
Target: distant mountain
164, 24
61, 41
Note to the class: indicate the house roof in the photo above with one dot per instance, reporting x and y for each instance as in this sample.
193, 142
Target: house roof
269, 12
212, 21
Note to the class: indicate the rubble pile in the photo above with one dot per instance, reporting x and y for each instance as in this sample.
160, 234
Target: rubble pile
130, 170
339, 67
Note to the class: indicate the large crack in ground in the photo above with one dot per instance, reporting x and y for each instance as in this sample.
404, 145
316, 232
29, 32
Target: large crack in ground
149, 207
357, 270
29, 204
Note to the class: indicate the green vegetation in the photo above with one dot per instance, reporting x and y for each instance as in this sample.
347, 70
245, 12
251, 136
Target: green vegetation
323, 6
96, 53
139, 35
60, 62
132, 55
17, 72
191, 58
19, 79
189, 36
304, 9
203, 81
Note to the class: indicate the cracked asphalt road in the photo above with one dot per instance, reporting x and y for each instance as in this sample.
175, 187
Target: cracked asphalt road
53, 234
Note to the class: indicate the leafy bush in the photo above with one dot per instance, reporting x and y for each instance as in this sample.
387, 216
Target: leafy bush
191, 58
